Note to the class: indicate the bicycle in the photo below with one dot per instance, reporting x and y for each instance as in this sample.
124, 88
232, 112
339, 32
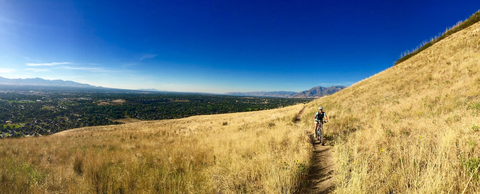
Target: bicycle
319, 132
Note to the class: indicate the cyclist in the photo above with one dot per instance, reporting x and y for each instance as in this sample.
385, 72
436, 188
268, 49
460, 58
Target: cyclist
319, 118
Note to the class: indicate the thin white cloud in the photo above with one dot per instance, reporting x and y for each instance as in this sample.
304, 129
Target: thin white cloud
148, 56
37, 70
48, 64
92, 69
6, 70
83, 68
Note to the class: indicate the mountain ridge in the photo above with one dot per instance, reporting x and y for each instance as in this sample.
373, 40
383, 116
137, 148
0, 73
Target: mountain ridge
283, 94
318, 91
314, 92
44, 82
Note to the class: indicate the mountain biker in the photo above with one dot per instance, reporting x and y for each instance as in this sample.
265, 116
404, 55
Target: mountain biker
319, 118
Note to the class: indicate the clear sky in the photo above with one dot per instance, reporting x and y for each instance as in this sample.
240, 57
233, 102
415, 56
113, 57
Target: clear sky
216, 46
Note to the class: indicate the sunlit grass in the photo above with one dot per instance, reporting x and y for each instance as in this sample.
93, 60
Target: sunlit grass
413, 128
231, 153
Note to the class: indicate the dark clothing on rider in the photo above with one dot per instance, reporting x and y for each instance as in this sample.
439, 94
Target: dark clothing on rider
319, 116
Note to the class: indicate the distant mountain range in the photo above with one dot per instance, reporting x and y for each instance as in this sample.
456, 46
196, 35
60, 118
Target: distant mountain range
282, 94
318, 91
36, 82
43, 82
315, 92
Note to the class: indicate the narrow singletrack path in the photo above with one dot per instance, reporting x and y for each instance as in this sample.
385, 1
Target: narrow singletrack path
299, 116
321, 171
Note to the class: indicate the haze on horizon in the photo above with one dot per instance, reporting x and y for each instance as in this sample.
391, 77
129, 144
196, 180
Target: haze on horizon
215, 46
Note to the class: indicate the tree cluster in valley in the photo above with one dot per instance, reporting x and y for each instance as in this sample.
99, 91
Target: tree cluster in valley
33, 113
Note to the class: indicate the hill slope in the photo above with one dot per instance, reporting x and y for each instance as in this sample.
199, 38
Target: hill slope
413, 128
252, 152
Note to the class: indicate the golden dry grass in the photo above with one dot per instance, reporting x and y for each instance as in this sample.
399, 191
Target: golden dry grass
413, 128
253, 152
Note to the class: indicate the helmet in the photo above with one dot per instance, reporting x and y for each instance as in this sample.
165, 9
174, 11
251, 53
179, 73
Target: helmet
320, 108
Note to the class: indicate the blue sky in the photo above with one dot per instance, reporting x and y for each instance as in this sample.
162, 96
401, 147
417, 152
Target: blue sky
215, 46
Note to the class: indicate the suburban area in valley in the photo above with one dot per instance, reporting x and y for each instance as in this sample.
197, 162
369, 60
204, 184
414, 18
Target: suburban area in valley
26, 112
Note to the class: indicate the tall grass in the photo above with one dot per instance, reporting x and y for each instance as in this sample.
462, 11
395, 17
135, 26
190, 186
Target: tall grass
255, 152
413, 128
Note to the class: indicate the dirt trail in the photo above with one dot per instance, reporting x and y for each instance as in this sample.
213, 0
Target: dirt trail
323, 166
321, 171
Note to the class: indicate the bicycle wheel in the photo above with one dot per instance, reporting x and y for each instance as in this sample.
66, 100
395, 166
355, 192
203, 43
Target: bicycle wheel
320, 136
318, 132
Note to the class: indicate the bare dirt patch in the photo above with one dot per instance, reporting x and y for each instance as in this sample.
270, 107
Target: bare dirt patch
128, 120
118, 101
321, 170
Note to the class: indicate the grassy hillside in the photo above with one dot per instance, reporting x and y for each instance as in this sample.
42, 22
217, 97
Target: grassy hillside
413, 128
254, 152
